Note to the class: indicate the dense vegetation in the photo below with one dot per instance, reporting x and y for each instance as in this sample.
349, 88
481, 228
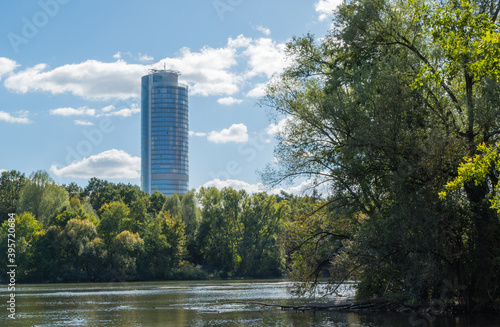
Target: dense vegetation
107, 231
383, 110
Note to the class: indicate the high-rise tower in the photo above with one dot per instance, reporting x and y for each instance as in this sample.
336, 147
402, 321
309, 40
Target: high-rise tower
164, 133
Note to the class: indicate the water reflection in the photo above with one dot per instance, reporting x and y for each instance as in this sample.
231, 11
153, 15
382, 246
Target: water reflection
209, 303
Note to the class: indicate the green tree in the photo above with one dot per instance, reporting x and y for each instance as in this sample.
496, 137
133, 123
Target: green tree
156, 200
100, 192
11, 183
66, 213
173, 205
26, 232
82, 252
262, 224
124, 250
48, 256
191, 216
382, 110
73, 189
138, 216
114, 217
42, 196
165, 245
220, 230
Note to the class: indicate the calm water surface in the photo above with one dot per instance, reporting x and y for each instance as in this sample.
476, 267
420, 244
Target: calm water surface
207, 303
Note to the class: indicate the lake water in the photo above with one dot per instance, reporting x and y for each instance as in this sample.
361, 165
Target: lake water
204, 303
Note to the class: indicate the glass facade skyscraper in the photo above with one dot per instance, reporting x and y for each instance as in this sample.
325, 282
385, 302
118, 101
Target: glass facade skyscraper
164, 133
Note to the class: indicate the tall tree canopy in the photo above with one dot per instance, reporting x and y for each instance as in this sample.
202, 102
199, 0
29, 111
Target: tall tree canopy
383, 110
41, 196
11, 183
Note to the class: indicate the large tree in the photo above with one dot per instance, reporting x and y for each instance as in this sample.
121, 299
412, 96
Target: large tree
382, 110
11, 183
42, 197
220, 230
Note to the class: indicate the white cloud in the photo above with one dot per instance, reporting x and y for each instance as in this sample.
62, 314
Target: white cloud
91, 79
236, 133
263, 30
68, 111
2, 170
304, 188
229, 101
119, 55
258, 91
108, 164
7, 66
108, 108
83, 122
145, 57
266, 57
22, 118
300, 189
126, 112
279, 127
236, 184
106, 111
240, 42
208, 71
192, 133
325, 8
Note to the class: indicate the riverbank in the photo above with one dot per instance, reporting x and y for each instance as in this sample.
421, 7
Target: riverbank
378, 306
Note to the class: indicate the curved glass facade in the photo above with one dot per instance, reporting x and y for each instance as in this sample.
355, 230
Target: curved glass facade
164, 133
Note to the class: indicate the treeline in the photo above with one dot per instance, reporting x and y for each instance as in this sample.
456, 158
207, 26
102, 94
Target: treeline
108, 231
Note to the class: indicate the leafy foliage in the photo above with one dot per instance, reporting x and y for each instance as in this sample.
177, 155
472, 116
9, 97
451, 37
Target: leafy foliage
382, 111
135, 236
11, 184
42, 197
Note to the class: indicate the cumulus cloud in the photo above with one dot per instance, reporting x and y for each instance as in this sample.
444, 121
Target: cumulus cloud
236, 184
7, 66
22, 117
265, 57
279, 127
240, 41
236, 133
91, 79
108, 164
126, 112
145, 57
227, 101
304, 188
258, 91
108, 108
208, 71
325, 8
106, 111
68, 111
199, 134
263, 30
82, 122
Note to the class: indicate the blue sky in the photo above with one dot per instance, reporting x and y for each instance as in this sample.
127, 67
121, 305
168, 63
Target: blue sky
70, 82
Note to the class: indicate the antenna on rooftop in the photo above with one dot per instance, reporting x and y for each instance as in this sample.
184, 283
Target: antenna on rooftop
164, 70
